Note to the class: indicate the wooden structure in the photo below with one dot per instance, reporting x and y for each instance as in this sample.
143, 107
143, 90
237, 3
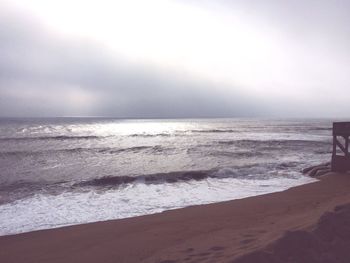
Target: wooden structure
341, 155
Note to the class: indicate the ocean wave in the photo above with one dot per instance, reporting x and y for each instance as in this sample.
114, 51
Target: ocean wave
21, 185
323, 151
45, 152
86, 205
239, 154
181, 133
215, 131
274, 143
146, 135
12, 191
157, 149
158, 178
322, 128
17, 190
150, 149
59, 138
245, 172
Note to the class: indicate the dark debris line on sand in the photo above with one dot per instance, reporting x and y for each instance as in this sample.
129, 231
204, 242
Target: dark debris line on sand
329, 242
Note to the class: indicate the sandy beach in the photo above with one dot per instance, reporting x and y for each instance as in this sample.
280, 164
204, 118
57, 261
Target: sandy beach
221, 232
174, 131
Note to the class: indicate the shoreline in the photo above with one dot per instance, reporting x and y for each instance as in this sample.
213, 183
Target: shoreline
40, 212
221, 231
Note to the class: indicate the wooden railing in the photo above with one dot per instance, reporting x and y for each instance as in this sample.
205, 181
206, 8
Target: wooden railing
341, 155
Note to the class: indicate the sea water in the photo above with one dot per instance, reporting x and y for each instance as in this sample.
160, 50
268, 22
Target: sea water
64, 171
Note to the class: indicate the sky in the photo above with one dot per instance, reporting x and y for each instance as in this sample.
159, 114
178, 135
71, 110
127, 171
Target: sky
175, 58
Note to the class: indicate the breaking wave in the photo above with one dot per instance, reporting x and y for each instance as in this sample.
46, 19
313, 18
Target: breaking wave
245, 172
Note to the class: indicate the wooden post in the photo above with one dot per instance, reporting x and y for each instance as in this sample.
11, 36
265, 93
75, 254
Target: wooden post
341, 162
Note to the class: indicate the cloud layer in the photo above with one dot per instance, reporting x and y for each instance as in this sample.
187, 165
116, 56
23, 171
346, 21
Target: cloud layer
46, 73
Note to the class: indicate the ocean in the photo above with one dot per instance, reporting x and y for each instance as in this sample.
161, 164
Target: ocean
64, 171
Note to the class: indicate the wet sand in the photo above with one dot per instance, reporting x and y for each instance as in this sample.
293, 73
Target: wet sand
221, 232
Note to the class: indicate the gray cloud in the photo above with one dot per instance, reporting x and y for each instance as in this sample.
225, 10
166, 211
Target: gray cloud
42, 74
45, 74
322, 21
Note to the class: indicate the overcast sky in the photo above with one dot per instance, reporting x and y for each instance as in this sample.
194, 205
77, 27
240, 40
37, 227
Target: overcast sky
168, 58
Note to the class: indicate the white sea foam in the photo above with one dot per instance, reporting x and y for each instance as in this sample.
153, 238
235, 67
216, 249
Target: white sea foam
69, 208
66, 171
